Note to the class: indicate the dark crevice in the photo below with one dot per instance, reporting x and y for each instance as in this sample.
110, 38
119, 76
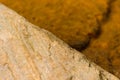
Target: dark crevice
106, 16
71, 78
81, 45
101, 75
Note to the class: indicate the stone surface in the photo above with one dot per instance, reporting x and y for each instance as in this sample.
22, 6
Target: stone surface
28, 52
75, 22
90, 26
106, 48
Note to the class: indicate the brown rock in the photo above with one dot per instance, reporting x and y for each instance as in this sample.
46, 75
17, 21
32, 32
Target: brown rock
31, 53
105, 50
75, 22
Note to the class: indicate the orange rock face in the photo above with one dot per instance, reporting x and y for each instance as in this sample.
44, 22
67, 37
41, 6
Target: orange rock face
90, 26
75, 22
106, 48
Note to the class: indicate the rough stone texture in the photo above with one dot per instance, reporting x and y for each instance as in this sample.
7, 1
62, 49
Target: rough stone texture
30, 53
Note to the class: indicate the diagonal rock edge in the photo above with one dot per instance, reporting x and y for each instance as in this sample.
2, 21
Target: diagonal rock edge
28, 52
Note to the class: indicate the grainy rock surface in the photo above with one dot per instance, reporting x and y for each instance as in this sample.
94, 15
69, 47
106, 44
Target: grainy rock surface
31, 53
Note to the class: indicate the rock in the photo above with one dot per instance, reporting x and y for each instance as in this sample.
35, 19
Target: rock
106, 48
90, 26
28, 52
75, 22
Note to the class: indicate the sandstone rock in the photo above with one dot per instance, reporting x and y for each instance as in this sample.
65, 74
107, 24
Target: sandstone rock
31, 53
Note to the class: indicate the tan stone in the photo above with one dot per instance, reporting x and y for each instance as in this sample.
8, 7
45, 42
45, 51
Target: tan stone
28, 52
